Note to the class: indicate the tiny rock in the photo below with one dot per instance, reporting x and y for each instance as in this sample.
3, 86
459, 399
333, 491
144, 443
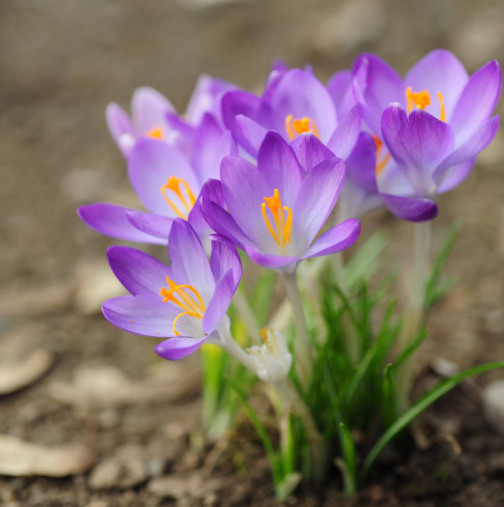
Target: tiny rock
493, 404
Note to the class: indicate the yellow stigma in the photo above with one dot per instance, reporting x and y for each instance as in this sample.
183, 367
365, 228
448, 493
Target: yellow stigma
296, 126
186, 297
156, 133
422, 99
282, 229
185, 196
380, 164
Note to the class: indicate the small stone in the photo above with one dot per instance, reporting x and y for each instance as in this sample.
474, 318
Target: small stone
493, 404
184, 485
123, 471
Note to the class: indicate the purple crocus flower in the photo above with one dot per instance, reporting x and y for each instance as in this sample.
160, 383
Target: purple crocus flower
185, 302
293, 103
277, 209
426, 129
153, 115
167, 183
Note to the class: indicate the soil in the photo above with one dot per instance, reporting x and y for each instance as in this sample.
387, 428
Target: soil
61, 62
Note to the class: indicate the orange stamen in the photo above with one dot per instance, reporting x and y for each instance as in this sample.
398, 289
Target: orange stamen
297, 126
442, 111
282, 229
156, 133
187, 201
191, 304
380, 164
422, 99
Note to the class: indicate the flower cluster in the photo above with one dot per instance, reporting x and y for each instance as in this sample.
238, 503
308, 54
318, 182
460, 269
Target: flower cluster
283, 176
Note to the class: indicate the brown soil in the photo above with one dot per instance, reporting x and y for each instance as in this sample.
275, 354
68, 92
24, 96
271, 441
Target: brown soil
60, 63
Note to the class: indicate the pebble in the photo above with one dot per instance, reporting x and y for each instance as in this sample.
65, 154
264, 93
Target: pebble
493, 404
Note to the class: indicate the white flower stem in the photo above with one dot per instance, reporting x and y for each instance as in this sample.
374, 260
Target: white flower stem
302, 346
230, 345
415, 313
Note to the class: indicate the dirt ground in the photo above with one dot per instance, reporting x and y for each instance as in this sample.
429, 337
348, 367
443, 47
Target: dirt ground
61, 62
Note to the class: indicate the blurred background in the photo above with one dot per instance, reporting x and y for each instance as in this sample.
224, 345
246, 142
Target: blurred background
61, 62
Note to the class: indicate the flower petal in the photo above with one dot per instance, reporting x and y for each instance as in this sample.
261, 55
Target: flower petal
337, 238
112, 220
409, 208
249, 134
225, 258
340, 90
477, 102
310, 151
148, 108
120, 127
477, 142
279, 166
439, 71
140, 315
315, 201
218, 306
155, 225
178, 347
300, 94
150, 164
140, 273
279, 262
189, 262
361, 164
345, 136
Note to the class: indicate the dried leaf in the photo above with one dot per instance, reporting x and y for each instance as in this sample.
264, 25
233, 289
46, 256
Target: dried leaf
21, 458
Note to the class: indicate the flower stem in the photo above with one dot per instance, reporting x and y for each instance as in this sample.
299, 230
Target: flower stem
242, 306
415, 313
303, 346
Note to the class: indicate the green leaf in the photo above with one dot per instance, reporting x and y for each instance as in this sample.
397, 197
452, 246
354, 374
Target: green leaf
348, 463
425, 401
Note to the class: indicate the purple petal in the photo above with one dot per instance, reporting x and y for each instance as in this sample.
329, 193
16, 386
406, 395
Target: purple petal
178, 347
180, 134
218, 306
148, 108
337, 238
378, 85
361, 164
439, 71
112, 220
418, 143
244, 190
316, 200
340, 90
120, 127
468, 151
211, 145
279, 262
279, 166
310, 151
409, 208
455, 175
140, 273
345, 136
249, 134
300, 94
189, 262
478, 100
150, 164
139, 315
154, 225
225, 258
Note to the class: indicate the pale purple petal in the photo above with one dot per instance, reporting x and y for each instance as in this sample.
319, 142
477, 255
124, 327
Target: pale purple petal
155, 225
455, 175
249, 134
474, 145
236, 103
188, 259
225, 258
345, 136
178, 347
112, 220
340, 90
477, 102
280, 262
120, 127
337, 238
300, 94
409, 208
310, 151
218, 306
149, 108
279, 166
140, 273
439, 71
361, 164
139, 315
315, 201
150, 164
